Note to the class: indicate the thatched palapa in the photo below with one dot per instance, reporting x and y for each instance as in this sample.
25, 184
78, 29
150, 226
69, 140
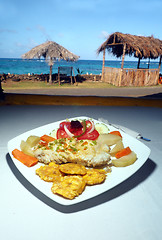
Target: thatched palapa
138, 46
141, 47
50, 51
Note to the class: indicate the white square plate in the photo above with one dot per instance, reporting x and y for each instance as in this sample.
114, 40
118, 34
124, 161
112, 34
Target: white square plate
117, 175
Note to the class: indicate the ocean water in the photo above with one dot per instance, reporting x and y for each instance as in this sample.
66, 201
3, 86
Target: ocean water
36, 66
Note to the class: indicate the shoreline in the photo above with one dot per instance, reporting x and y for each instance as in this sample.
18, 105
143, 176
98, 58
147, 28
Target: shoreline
45, 77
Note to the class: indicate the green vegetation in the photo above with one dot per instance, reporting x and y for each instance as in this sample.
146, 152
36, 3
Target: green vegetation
11, 85
44, 85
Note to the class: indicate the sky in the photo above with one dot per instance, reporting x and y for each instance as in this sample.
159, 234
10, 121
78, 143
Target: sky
81, 26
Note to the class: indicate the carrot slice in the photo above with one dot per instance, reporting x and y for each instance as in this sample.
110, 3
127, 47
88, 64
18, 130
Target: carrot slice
47, 138
123, 152
116, 133
27, 160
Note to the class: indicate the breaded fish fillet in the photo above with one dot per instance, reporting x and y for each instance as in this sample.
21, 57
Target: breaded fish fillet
85, 152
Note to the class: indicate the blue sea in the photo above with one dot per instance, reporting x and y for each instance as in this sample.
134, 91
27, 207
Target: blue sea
38, 66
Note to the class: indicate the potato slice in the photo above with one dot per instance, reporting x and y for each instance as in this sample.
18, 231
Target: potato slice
125, 160
109, 139
119, 146
32, 140
26, 148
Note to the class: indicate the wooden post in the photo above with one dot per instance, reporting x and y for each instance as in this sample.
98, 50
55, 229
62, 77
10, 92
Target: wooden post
50, 75
59, 75
114, 39
124, 48
71, 76
103, 66
122, 65
74, 77
160, 63
149, 63
139, 59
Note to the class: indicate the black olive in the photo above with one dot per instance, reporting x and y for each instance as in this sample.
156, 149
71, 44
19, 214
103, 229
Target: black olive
76, 124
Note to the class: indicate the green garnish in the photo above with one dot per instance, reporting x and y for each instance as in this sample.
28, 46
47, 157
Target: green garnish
84, 129
94, 142
74, 149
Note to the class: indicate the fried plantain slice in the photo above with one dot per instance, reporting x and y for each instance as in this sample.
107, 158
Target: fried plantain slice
49, 173
69, 186
73, 168
95, 176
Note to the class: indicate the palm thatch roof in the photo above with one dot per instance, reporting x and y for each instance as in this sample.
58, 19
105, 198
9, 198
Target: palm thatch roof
137, 46
52, 50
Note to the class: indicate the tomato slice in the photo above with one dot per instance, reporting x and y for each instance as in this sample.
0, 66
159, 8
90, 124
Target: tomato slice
68, 125
88, 125
61, 126
90, 136
61, 134
77, 132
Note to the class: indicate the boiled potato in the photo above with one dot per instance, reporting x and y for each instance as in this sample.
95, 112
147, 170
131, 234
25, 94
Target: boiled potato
32, 140
125, 160
109, 139
26, 148
119, 146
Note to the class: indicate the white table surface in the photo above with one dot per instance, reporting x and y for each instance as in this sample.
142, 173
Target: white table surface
132, 210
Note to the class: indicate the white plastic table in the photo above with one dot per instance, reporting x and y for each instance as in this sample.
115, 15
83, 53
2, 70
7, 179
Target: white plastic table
131, 210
